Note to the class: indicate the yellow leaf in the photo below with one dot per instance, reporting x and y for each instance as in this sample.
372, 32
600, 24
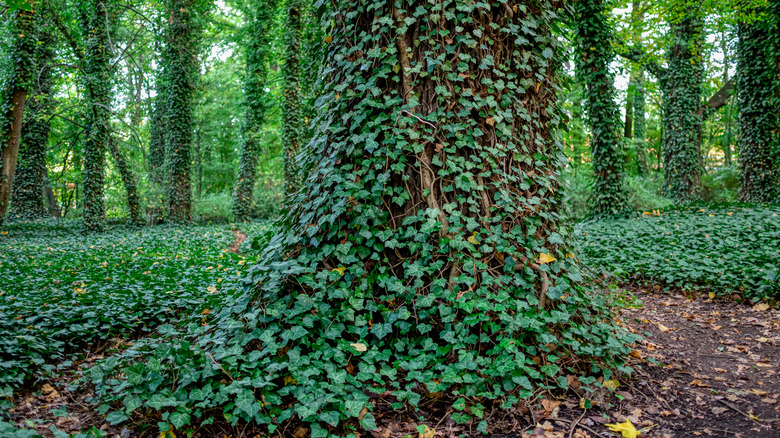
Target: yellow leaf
360, 347
626, 429
472, 239
490, 121
611, 384
761, 307
289, 380
167, 434
328, 39
427, 432
712, 295
212, 289
663, 328
341, 270
546, 258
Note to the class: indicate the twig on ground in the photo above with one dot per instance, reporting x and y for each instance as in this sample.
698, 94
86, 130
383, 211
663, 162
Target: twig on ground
574, 424
579, 425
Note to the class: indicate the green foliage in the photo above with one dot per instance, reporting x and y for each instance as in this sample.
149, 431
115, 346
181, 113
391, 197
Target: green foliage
425, 254
722, 248
594, 54
758, 84
256, 103
681, 84
61, 293
293, 124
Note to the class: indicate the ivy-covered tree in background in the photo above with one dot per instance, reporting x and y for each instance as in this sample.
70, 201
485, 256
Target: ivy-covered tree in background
255, 103
128, 180
181, 75
635, 123
293, 124
18, 75
97, 18
759, 118
27, 195
594, 54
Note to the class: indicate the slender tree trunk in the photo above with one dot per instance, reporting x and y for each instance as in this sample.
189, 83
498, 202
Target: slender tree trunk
17, 80
157, 131
96, 19
181, 78
726, 63
48, 195
594, 57
758, 115
255, 106
681, 86
128, 179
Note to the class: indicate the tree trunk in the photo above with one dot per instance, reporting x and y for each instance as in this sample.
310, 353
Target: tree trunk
640, 126
18, 79
96, 21
157, 130
128, 179
681, 86
255, 106
182, 70
594, 56
48, 195
758, 115
292, 124
27, 194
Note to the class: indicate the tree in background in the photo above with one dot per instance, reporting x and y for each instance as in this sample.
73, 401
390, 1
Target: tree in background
594, 54
635, 123
128, 180
181, 77
293, 117
255, 104
757, 81
19, 71
97, 19
27, 196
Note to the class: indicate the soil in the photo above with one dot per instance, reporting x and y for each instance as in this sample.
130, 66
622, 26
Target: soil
706, 367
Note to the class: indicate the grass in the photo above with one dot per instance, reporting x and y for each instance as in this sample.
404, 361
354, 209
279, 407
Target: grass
723, 248
62, 293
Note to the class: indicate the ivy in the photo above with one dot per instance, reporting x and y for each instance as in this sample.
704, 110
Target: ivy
27, 194
757, 86
426, 253
594, 54
17, 79
293, 123
97, 17
255, 104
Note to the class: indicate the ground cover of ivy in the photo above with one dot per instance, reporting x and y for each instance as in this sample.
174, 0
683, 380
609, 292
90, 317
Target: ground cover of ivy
720, 248
62, 294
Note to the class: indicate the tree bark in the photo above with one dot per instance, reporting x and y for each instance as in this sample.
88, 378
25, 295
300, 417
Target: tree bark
19, 77
128, 180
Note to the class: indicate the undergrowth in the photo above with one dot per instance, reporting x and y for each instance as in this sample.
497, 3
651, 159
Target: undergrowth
723, 248
61, 292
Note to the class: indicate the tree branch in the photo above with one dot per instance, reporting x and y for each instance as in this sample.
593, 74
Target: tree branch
637, 55
64, 31
719, 99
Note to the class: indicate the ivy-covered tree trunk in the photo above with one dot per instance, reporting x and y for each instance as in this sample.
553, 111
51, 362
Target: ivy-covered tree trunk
157, 131
426, 253
594, 54
27, 194
128, 180
640, 125
758, 114
96, 18
681, 86
181, 76
22, 27
255, 105
293, 117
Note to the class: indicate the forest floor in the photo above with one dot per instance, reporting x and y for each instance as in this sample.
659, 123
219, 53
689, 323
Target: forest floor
707, 366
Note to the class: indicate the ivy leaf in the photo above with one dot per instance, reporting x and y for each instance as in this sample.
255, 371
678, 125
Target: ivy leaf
341, 270
360, 347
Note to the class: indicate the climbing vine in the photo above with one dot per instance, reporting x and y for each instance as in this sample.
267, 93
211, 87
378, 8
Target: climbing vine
640, 125
23, 28
27, 194
97, 20
426, 256
255, 104
594, 54
293, 123
181, 77
681, 86
128, 180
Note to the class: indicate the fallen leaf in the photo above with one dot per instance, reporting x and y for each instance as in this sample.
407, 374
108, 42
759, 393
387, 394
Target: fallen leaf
341, 270
611, 384
663, 328
426, 432
626, 429
546, 258
212, 289
761, 307
473, 239
360, 347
